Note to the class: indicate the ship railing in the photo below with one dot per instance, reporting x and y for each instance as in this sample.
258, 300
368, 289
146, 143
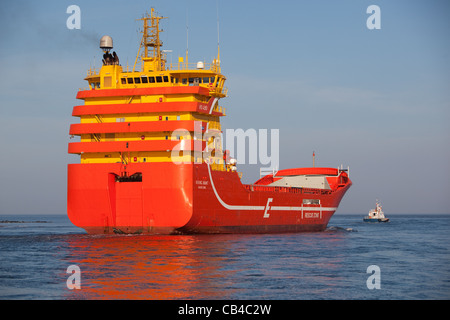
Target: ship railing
313, 191
220, 109
219, 91
342, 169
93, 72
214, 126
225, 91
192, 66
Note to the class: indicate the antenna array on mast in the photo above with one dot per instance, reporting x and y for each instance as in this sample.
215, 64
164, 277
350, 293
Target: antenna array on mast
150, 38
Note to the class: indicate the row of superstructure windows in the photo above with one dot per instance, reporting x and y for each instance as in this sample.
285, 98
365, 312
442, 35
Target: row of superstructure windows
194, 81
144, 79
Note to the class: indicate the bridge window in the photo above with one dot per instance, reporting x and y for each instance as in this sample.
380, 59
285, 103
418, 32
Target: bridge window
159, 79
137, 80
194, 81
144, 79
130, 80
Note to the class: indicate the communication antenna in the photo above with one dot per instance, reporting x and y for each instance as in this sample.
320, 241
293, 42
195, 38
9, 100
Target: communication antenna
187, 34
150, 40
218, 34
217, 62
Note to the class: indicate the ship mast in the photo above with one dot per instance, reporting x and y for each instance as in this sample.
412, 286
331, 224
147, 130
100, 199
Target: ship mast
150, 42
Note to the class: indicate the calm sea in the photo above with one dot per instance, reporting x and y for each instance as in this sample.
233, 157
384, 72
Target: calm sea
411, 255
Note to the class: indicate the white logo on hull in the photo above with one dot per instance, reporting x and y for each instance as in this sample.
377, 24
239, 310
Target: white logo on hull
266, 215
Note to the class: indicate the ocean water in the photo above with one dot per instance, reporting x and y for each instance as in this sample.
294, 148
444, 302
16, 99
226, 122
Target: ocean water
411, 255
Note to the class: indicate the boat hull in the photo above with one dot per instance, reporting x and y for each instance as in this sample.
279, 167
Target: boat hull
189, 198
376, 220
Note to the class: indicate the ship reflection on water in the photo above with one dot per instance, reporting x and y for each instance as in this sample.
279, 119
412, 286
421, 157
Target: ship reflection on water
203, 266
148, 267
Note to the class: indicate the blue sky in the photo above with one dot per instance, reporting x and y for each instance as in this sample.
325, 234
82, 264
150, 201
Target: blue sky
375, 100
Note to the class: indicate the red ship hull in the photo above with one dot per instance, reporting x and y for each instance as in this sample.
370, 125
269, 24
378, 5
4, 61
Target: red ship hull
190, 198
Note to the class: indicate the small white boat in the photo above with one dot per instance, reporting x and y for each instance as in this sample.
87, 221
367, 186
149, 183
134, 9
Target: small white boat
376, 215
